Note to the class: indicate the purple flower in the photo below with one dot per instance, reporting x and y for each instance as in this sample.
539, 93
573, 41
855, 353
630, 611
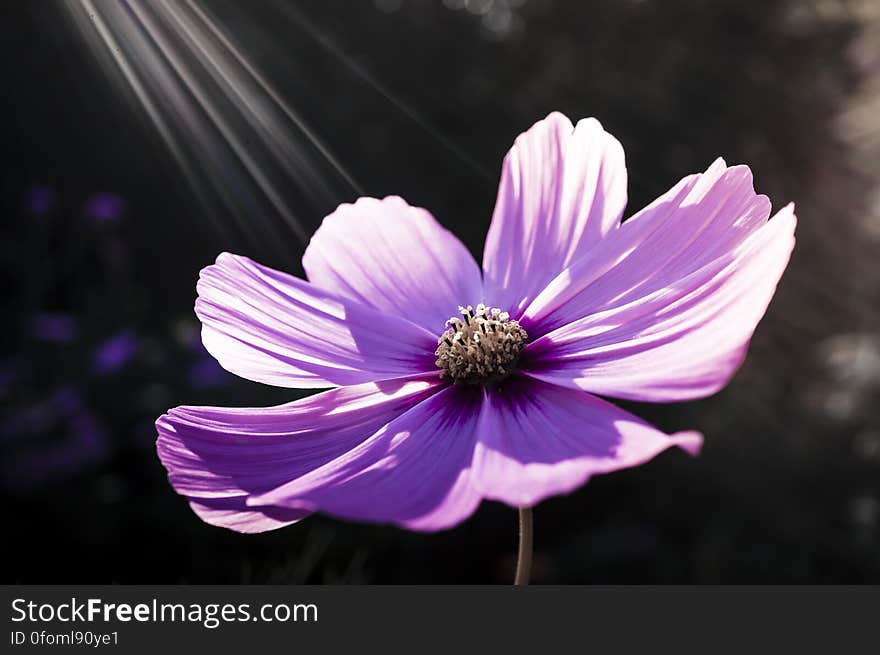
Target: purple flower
53, 327
49, 439
449, 386
104, 206
114, 353
40, 200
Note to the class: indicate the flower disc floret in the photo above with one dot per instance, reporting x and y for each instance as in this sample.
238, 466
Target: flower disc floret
482, 346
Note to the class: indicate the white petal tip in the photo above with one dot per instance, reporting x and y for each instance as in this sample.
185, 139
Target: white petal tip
691, 442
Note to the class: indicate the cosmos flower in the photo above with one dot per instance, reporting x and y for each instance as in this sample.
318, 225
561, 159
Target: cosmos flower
449, 386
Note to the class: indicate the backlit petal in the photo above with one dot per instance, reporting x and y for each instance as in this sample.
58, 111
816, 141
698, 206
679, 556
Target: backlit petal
395, 258
538, 440
562, 189
271, 327
221, 457
677, 339
414, 472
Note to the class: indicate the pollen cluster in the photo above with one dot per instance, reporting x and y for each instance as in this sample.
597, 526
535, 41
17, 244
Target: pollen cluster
481, 346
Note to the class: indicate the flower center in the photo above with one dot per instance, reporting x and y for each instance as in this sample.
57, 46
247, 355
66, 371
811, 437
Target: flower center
481, 346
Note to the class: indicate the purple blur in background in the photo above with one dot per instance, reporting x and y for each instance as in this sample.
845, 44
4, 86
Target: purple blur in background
105, 207
53, 327
114, 353
40, 200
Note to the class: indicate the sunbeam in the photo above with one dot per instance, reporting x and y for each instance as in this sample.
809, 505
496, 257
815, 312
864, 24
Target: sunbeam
254, 163
330, 46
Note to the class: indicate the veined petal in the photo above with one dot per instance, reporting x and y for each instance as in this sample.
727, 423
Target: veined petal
221, 457
538, 440
562, 189
413, 472
682, 339
700, 219
271, 327
395, 258
234, 514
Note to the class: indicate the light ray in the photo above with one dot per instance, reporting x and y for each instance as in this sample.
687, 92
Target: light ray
245, 151
330, 46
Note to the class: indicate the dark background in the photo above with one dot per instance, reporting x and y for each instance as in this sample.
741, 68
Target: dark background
136, 146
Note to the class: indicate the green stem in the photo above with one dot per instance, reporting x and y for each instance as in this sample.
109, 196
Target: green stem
524, 556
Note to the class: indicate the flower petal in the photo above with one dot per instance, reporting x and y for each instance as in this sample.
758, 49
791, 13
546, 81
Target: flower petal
220, 457
701, 218
394, 258
234, 514
538, 440
562, 189
413, 472
271, 327
681, 339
